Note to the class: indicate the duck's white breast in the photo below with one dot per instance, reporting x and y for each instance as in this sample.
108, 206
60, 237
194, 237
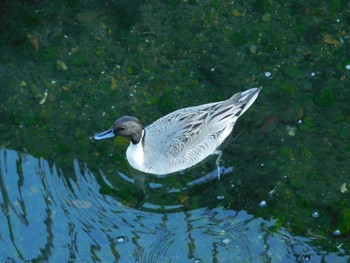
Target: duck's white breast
135, 156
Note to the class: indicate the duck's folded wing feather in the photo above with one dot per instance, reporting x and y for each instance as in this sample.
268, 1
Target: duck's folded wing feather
224, 114
186, 130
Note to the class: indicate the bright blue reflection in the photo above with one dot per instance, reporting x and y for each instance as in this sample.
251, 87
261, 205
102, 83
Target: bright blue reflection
45, 217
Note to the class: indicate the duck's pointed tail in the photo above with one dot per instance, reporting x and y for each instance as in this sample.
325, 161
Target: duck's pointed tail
245, 99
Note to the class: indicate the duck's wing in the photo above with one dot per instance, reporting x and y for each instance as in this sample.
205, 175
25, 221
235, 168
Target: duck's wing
185, 129
227, 112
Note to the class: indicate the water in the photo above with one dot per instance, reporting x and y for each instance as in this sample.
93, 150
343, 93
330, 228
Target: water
70, 68
48, 218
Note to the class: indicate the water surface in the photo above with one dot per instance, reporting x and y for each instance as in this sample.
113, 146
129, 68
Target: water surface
70, 68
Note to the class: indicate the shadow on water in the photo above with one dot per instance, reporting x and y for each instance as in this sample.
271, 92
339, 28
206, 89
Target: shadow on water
46, 217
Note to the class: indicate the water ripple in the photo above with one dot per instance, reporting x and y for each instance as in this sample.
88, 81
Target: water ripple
48, 215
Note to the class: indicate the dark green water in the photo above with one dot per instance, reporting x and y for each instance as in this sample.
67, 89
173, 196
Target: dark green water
70, 68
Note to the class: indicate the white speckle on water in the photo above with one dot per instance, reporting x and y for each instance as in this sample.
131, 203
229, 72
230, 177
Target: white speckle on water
43, 100
347, 66
121, 239
313, 74
226, 241
337, 232
268, 74
315, 214
262, 203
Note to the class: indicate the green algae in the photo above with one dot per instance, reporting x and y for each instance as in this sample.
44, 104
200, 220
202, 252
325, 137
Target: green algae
325, 97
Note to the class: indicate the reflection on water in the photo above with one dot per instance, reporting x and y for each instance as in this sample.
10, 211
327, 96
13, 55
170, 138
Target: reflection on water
149, 183
47, 217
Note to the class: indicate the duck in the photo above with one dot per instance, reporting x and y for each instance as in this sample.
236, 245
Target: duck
180, 139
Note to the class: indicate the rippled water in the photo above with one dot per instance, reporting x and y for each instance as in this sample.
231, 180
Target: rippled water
45, 217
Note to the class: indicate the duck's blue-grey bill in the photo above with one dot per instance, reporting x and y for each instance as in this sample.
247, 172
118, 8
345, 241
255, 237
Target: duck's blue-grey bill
104, 135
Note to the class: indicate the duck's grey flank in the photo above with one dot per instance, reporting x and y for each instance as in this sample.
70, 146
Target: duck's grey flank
182, 138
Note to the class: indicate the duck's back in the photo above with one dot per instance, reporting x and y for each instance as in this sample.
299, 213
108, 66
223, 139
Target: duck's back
185, 137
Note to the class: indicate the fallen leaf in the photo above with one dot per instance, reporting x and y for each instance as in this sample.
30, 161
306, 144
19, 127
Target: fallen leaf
114, 83
34, 41
61, 65
86, 17
236, 13
269, 124
183, 199
328, 39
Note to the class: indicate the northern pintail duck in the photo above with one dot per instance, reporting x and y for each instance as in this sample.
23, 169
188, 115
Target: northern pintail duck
182, 138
